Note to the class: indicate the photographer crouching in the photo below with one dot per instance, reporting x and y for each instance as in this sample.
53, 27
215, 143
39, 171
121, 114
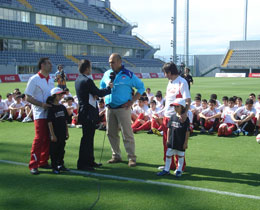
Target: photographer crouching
61, 77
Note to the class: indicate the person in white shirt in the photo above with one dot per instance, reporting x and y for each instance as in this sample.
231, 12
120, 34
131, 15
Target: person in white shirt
3, 110
224, 105
243, 117
257, 107
227, 126
16, 109
149, 94
139, 109
9, 99
159, 100
37, 91
239, 102
209, 118
177, 88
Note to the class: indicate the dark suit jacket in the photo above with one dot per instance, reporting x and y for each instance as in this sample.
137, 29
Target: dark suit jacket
84, 88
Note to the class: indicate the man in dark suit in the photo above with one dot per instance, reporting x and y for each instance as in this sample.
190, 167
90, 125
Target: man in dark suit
87, 92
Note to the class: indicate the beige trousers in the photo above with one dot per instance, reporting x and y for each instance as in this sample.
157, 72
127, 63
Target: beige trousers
120, 119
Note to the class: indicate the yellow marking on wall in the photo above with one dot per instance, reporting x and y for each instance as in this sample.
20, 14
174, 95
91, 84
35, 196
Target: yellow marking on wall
131, 64
76, 8
101, 36
25, 3
48, 31
227, 58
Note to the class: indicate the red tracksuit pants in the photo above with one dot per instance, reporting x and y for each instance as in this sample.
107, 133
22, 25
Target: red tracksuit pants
40, 145
174, 164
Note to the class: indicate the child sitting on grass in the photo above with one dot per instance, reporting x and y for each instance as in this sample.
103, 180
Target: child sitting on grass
57, 116
178, 135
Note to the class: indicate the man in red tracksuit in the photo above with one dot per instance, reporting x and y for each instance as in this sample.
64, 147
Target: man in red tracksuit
37, 91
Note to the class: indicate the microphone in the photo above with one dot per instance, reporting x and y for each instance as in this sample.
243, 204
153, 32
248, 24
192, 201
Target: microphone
112, 76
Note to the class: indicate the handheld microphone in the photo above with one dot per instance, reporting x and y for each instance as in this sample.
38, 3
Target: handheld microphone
112, 76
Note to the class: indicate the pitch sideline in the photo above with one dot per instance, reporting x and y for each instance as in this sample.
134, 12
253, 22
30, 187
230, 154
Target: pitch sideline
149, 182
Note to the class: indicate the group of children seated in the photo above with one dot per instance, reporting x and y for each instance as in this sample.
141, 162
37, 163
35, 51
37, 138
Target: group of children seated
229, 118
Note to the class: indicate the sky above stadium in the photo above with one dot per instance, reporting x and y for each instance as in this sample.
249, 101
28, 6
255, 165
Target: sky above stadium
212, 23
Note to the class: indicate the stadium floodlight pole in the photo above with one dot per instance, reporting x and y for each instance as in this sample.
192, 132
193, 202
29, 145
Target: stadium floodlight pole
186, 35
174, 21
245, 21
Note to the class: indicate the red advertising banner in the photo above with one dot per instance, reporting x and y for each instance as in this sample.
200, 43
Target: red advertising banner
72, 77
10, 78
154, 75
139, 75
97, 76
254, 75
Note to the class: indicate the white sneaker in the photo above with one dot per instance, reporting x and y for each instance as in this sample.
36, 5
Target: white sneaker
78, 126
160, 168
72, 125
27, 119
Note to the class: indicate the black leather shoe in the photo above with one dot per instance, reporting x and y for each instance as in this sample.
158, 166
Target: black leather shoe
34, 171
96, 165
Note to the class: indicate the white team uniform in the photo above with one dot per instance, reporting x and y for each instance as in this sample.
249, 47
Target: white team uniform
242, 112
227, 113
40, 90
222, 108
15, 105
138, 110
257, 108
157, 112
177, 88
3, 107
8, 103
208, 113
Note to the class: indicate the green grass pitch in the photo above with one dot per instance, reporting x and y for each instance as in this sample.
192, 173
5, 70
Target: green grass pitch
221, 164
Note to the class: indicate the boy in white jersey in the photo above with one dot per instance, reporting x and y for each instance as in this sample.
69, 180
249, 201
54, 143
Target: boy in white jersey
228, 125
209, 118
243, 116
224, 105
16, 109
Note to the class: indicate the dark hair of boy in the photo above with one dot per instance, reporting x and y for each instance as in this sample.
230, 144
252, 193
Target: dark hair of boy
235, 97
258, 97
224, 98
101, 101
239, 98
197, 98
170, 68
204, 101
148, 89
84, 64
18, 93
249, 101
8, 94
214, 96
153, 101
252, 94
42, 61
66, 89
212, 101
144, 94
146, 98
198, 94
231, 99
69, 99
50, 100
141, 98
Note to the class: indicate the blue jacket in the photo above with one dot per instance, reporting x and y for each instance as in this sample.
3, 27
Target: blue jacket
122, 91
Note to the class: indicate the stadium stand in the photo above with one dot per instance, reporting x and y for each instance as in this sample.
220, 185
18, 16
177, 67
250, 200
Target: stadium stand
67, 31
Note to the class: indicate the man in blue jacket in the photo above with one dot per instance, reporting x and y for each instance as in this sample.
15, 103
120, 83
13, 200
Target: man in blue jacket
119, 104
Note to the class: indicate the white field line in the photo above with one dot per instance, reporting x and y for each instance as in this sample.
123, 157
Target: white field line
149, 182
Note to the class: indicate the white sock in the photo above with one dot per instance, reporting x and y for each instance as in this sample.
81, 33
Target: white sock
168, 162
180, 163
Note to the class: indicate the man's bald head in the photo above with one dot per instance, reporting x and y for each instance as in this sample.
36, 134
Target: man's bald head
115, 62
